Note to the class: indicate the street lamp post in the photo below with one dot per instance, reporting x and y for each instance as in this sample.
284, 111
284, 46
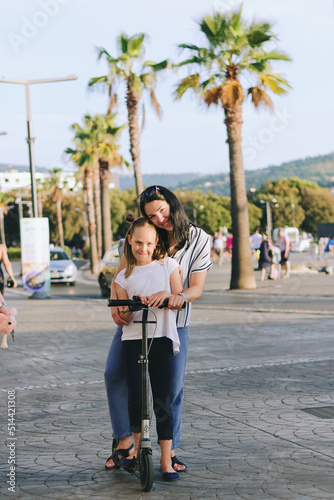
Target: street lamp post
30, 139
268, 213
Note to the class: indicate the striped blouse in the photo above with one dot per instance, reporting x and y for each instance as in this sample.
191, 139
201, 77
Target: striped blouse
194, 257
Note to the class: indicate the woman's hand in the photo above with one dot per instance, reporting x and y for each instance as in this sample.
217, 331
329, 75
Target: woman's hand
157, 299
117, 317
176, 302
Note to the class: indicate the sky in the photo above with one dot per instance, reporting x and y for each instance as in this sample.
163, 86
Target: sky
56, 38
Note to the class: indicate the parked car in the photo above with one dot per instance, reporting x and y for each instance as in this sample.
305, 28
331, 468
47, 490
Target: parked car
62, 267
107, 268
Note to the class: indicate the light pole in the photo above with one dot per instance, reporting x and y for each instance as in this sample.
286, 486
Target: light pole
268, 213
30, 139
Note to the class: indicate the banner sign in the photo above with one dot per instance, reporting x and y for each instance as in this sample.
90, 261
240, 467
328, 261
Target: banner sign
35, 254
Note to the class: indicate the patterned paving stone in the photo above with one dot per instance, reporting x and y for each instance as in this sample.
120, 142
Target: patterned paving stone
250, 373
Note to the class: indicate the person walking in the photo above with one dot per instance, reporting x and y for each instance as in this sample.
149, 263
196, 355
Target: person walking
6, 262
189, 246
284, 246
266, 258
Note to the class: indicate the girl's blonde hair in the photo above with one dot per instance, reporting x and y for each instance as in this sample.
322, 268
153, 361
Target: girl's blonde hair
159, 252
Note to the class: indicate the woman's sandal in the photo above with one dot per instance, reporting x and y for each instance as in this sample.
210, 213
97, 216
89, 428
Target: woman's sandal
175, 460
123, 453
129, 464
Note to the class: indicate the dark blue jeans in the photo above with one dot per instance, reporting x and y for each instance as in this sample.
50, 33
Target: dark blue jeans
117, 391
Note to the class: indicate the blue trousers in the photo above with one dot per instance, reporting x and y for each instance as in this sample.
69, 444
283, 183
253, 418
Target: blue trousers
117, 391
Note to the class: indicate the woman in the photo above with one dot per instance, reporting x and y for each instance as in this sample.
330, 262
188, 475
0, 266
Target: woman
190, 247
4, 258
266, 258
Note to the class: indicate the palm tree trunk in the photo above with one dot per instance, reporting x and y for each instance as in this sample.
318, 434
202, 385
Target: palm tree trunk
105, 205
91, 221
242, 275
60, 223
97, 204
85, 215
132, 102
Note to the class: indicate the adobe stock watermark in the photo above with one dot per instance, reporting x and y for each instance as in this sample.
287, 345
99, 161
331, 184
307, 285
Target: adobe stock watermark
30, 27
225, 4
277, 124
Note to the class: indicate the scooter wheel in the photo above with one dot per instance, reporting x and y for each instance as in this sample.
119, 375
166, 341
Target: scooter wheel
146, 472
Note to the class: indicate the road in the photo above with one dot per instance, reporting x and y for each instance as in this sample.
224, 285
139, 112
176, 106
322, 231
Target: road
259, 362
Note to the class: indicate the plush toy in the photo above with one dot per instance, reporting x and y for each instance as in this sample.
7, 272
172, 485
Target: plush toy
7, 325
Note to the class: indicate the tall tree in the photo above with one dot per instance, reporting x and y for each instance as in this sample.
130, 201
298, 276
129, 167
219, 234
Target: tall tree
51, 186
138, 76
234, 48
84, 157
105, 136
97, 141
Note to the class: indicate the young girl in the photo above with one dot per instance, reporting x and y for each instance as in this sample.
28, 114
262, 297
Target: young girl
154, 278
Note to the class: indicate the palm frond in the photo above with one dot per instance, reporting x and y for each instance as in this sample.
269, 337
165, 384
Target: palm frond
154, 102
189, 82
259, 33
260, 97
158, 66
214, 95
275, 82
277, 55
189, 46
135, 45
97, 80
102, 52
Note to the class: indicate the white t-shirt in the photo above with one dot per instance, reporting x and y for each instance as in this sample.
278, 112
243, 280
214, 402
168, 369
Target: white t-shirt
256, 240
284, 243
146, 280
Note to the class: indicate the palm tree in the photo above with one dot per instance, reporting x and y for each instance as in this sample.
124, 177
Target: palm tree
234, 49
97, 141
103, 134
83, 156
52, 186
138, 76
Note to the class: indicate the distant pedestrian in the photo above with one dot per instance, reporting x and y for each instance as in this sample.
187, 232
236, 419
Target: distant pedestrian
266, 258
330, 245
219, 248
255, 243
229, 245
284, 246
6, 262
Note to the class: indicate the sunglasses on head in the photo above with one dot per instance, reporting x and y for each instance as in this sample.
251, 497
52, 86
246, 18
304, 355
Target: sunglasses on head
150, 191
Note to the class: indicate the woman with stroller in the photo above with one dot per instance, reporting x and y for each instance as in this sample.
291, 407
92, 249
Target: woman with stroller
190, 247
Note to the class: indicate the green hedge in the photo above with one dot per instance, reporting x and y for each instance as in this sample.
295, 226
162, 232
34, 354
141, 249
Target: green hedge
14, 253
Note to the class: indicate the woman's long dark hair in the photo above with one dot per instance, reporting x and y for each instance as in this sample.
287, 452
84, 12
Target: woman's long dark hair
178, 217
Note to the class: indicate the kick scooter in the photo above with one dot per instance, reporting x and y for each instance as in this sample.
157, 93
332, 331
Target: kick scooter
144, 459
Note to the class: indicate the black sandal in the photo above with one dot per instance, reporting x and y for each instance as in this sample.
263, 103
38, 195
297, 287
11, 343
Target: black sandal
175, 460
123, 453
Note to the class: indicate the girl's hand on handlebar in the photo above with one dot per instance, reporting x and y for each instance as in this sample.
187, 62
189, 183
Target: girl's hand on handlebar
117, 317
175, 302
157, 299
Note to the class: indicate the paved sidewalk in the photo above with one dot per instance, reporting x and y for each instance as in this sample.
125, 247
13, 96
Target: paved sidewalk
259, 379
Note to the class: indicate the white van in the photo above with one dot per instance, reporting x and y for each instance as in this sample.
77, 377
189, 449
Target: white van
298, 243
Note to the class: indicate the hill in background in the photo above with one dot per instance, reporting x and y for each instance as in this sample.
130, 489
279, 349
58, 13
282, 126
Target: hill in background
319, 169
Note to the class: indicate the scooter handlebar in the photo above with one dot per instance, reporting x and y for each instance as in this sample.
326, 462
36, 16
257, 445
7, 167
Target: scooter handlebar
135, 304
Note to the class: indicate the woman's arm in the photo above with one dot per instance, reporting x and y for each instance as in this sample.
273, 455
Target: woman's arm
118, 319
7, 264
123, 311
197, 281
